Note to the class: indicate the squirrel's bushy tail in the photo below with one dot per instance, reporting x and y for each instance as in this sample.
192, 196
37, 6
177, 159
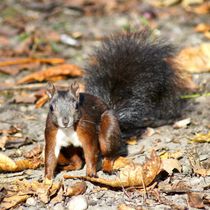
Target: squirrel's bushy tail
133, 74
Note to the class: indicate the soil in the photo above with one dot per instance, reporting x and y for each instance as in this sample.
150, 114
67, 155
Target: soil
173, 24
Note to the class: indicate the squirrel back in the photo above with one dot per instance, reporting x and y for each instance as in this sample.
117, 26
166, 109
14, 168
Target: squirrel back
134, 74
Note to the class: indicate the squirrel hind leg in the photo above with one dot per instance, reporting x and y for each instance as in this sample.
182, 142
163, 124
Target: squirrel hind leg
70, 158
109, 139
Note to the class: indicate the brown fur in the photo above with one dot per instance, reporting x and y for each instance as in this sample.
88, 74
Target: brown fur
98, 131
50, 159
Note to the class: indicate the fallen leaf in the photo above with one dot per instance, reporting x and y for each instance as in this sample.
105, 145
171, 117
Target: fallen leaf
25, 99
121, 162
202, 27
201, 138
18, 61
6, 163
207, 34
195, 200
132, 140
35, 152
58, 198
182, 123
28, 164
195, 59
15, 69
124, 207
163, 3
187, 3
169, 165
196, 165
19, 191
77, 189
63, 70
131, 175
167, 155
11, 130
15, 141
3, 141
13, 200
3, 193
179, 187
42, 101
201, 9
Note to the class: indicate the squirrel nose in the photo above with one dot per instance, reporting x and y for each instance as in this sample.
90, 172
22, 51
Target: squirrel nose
65, 121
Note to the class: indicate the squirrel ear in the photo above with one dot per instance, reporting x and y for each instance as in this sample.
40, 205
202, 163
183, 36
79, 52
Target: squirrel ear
74, 88
50, 89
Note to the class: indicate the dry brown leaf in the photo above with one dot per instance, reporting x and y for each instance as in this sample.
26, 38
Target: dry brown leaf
13, 200
6, 163
207, 34
45, 192
6, 138
3, 141
195, 200
42, 101
195, 59
196, 165
124, 207
77, 189
163, 3
201, 138
122, 162
167, 155
132, 140
170, 164
28, 164
202, 27
201, 9
131, 175
24, 98
180, 187
18, 61
19, 191
35, 152
15, 69
60, 70
11, 130
58, 198
187, 3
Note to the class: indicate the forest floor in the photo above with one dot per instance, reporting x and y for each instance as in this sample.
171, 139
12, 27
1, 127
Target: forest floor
24, 20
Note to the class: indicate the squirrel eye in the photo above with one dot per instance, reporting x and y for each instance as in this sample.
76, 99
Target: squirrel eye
51, 108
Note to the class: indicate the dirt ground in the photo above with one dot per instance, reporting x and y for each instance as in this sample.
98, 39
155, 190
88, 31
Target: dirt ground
176, 26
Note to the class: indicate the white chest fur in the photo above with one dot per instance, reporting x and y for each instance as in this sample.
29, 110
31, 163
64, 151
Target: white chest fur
66, 137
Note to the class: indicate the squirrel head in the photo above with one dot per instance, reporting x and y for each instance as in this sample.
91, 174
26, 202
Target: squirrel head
64, 105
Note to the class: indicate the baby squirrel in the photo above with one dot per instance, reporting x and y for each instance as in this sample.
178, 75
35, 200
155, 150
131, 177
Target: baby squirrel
131, 83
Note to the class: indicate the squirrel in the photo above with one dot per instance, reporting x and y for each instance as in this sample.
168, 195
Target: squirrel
131, 83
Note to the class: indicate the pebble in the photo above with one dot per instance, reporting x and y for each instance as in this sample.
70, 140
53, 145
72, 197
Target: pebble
58, 206
203, 157
31, 201
77, 203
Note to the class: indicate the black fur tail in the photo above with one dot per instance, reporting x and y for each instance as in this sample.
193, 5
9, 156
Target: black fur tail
133, 74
